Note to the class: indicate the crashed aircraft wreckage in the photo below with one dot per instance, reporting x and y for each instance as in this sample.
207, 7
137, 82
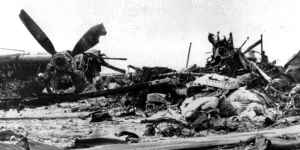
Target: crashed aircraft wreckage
235, 91
61, 70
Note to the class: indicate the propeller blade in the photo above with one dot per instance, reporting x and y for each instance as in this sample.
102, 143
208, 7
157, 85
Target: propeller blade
89, 39
37, 32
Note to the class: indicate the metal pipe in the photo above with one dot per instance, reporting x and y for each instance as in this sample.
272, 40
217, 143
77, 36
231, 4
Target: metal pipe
188, 56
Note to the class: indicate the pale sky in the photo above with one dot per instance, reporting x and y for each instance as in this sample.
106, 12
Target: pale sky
156, 32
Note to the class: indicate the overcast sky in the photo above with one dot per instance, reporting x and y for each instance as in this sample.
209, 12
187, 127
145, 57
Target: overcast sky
156, 32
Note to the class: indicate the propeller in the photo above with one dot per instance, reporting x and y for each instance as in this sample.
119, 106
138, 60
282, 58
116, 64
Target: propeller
37, 32
89, 39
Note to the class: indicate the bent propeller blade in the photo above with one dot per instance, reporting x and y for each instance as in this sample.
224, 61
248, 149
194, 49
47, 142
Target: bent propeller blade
89, 39
37, 32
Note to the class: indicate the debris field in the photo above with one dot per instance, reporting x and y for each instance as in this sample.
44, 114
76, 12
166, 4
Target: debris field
238, 100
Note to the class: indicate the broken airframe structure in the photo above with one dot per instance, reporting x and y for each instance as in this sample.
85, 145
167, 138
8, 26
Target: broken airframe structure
235, 91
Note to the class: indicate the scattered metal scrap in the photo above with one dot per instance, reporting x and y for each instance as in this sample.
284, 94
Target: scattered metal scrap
235, 91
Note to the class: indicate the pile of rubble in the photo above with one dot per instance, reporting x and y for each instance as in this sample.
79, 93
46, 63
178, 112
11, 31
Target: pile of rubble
235, 91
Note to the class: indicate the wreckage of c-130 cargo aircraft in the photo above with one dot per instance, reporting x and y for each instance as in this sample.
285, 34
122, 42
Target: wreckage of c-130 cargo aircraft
235, 91
70, 71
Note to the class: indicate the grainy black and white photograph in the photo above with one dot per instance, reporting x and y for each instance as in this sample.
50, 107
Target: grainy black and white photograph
150, 74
